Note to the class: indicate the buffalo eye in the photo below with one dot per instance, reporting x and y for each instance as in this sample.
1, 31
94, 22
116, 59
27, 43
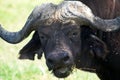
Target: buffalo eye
43, 37
74, 35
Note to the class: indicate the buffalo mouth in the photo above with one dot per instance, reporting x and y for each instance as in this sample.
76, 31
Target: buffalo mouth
62, 72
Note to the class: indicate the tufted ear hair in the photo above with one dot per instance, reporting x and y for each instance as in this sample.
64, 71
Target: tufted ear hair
98, 48
31, 48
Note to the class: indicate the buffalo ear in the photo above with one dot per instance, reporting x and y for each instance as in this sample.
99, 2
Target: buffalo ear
98, 48
31, 48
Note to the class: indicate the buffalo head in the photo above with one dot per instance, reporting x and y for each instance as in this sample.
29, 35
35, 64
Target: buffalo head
59, 35
60, 43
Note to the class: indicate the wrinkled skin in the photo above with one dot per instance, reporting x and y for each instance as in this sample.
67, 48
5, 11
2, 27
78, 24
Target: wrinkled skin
63, 49
60, 45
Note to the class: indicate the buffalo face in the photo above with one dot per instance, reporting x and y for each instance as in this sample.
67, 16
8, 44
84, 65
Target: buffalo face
65, 46
60, 45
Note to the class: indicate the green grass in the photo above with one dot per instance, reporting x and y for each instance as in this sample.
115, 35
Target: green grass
13, 14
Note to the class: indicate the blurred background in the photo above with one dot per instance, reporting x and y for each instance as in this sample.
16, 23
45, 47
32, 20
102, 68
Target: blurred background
13, 15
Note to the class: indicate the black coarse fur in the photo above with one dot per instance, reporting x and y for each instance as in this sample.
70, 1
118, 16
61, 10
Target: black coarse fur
109, 68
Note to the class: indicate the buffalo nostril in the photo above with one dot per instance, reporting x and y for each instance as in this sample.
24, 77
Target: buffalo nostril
53, 59
66, 58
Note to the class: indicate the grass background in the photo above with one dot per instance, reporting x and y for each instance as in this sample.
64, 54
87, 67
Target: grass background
13, 15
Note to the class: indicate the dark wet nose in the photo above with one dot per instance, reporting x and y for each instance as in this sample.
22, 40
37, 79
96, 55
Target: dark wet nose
58, 58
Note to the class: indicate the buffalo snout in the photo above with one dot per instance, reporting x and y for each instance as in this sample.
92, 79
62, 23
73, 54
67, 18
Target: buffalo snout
58, 58
60, 63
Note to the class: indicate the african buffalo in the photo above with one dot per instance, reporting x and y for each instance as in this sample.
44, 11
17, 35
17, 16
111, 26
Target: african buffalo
71, 35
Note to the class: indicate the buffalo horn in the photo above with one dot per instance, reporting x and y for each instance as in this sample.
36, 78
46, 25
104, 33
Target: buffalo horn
38, 15
67, 10
81, 13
